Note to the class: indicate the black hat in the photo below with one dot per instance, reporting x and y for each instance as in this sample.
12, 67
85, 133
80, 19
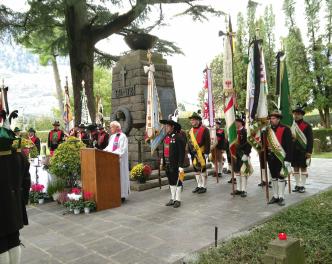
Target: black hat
195, 116
171, 122
300, 108
240, 117
81, 126
91, 127
100, 126
276, 113
16, 129
56, 123
31, 130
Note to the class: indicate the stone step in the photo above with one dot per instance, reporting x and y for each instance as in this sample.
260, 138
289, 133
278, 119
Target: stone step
153, 183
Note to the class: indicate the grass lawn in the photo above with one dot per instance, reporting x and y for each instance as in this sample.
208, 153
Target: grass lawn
323, 155
310, 221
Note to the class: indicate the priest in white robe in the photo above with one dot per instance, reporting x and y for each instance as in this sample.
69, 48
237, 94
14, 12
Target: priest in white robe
118, 144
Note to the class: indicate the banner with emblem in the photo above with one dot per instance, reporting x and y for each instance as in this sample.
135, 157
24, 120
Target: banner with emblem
256, 99
67, 113
229, 93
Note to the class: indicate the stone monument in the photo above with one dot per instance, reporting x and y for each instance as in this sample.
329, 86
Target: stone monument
129, 92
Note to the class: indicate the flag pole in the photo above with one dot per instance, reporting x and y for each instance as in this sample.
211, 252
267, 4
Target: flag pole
264, 145
159, 176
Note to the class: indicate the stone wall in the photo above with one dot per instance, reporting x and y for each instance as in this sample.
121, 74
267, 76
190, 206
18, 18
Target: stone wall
129, 90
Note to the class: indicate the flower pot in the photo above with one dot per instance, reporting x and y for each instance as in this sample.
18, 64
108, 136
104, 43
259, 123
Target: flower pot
87, 210
142, 41
141, 180
40, 201
77, 211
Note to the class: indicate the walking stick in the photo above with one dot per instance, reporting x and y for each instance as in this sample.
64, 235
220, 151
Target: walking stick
159, 177
289, 184
265, 167
233, 186
216, 164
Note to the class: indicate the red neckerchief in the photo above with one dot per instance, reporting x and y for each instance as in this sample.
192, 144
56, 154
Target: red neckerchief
279, 133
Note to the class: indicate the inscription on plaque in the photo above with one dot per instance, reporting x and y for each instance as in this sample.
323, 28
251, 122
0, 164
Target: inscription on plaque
125, 92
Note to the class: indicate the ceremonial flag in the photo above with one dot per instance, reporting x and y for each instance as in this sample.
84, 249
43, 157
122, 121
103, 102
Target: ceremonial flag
67, 114
257, 90
100, 112
85, 115
153, 112
228, 88
2, 102
282, 90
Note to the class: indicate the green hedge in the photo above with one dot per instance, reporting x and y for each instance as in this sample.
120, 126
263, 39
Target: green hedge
314, 120
322, 135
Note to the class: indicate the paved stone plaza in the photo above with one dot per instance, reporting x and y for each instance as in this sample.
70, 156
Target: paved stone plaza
143, 230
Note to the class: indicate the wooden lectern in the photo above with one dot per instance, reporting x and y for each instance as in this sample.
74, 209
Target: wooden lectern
100, 174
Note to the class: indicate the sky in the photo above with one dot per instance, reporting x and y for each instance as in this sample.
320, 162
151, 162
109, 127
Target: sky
199, 41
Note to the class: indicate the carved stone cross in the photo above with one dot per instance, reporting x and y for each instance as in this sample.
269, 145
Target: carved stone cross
123, 73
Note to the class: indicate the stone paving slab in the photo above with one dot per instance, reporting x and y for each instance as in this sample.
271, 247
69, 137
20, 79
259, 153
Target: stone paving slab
144, 230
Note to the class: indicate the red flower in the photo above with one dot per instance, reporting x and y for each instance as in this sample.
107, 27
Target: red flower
88, 196
147, 170
76, 190
37, 187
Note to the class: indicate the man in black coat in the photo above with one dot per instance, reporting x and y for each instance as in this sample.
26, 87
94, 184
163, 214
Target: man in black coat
279, 143
14, 194
55, 137
243, 150
173, 159
302, 148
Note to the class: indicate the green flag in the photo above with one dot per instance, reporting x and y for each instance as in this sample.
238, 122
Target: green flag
282, 90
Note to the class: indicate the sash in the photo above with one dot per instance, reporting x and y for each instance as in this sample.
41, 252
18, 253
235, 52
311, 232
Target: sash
199, 155
276, 148
299, 135
55, 138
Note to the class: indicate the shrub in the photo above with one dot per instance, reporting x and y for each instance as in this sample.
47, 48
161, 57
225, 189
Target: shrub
322, 135
66, 164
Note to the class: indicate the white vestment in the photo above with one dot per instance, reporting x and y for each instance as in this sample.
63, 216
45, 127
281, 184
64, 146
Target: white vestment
122, 151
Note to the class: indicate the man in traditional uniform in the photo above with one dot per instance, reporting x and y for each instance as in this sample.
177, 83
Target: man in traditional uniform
243, 149
217, 154
17, 132
92, 135
279, 156
173, 159
82, 134
302, 148
103, 137
14, 195
118, 144
55, 137
35, 140
199, 148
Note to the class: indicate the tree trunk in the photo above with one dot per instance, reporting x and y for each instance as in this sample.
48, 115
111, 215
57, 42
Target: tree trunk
58, 84
322, 117
327, 117
81, 52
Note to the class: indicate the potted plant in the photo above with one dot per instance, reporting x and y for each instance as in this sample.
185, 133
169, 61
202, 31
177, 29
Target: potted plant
54, 188
140, 172
36, 194
65, 163
75, 202
89, 203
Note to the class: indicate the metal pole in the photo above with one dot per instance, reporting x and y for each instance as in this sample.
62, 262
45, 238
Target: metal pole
215, 236
265, 167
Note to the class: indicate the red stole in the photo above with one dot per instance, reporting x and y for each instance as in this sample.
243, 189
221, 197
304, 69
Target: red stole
116, 142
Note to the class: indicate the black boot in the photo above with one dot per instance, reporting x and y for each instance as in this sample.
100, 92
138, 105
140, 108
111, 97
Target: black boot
219, 175
202, 190
296, 188
273, 200
301, 189
243, 194
281, 201
263, 183
196, 190
170, 203
236, 192
177, 204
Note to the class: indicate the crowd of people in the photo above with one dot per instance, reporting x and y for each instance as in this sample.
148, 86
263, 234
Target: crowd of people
287, 149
